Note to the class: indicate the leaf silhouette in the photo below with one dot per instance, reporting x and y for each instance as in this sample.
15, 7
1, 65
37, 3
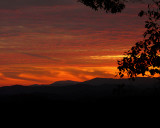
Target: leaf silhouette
144, 56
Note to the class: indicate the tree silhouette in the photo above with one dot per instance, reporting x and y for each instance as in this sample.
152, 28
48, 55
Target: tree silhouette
113, 6
144, 56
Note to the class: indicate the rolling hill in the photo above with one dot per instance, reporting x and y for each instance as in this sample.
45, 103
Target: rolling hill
95, 90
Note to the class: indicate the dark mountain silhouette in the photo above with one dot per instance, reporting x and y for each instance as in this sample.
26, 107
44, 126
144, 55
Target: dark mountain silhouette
139, 81
64, 83
91, 91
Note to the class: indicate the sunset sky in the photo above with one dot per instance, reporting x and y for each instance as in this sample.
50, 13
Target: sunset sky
44, 41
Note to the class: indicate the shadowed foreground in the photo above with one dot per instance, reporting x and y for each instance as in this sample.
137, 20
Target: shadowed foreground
99, 90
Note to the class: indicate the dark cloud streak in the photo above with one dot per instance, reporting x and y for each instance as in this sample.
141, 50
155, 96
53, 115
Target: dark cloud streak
17, 4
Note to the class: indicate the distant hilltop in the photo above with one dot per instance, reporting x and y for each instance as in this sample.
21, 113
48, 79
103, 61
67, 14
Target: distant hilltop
139, 81
108, 81
64, 83
97, 89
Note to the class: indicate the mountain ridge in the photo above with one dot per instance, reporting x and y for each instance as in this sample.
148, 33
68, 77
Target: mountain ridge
101, 81
96, 89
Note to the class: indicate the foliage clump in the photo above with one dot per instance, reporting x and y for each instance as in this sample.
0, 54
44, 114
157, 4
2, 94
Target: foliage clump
144, 56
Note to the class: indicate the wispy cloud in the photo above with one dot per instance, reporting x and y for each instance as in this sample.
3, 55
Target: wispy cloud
43, 57
62, 34
10, 4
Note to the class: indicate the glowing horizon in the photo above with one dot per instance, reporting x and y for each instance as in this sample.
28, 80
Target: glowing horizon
41, 43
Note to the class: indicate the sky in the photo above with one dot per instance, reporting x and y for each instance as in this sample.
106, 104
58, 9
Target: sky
43, 41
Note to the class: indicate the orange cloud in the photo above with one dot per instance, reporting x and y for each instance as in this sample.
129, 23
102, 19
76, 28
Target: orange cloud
62, 41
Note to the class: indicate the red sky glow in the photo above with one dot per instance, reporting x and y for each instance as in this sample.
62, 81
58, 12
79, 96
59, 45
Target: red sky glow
46, 41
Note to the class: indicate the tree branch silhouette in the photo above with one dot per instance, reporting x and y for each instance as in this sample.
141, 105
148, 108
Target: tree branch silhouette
113, 6
144, 56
